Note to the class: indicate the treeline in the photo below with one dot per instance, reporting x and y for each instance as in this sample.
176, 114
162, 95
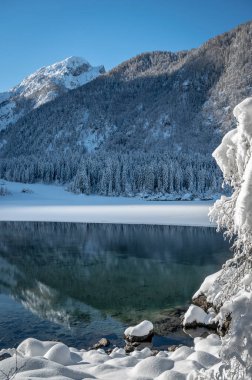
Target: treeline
119, 174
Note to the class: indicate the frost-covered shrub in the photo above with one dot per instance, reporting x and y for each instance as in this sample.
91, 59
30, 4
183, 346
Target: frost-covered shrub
234, 214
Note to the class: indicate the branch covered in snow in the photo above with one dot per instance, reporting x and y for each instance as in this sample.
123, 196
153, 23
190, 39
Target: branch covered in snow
231, 292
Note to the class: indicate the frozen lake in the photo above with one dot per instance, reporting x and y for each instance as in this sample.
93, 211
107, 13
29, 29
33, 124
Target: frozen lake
79, 282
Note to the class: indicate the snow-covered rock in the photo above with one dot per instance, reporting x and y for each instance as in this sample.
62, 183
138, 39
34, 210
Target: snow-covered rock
142, 330
196, 316
206, 284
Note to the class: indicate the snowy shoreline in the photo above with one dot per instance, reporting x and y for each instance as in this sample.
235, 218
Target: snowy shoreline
51, 203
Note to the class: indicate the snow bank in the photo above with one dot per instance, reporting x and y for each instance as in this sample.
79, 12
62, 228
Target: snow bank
54, 360
52, 203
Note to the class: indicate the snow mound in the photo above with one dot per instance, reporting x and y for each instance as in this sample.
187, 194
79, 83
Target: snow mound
59, 353
33, 347
187, 366
171, 375
152, 367
34, 359
204, 358
211, 344
181, 353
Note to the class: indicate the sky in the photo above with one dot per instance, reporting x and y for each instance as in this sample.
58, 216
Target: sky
36, 33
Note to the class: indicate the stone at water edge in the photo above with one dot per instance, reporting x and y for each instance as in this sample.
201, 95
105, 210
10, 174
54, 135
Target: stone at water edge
197, 317
104, 342
130, 347
139, 333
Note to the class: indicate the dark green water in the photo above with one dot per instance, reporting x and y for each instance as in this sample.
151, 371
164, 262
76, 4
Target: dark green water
80, 282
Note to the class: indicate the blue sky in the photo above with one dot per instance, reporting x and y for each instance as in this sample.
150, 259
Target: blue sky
36, 33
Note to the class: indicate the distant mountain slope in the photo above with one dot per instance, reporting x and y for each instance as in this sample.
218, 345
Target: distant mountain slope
158, 103
160, 100
45, 85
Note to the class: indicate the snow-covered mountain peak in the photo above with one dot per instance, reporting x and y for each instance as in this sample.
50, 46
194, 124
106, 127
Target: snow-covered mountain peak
44, 85
70, 73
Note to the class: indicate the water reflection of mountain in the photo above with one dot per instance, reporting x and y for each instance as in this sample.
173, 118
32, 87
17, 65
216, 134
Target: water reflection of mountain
69, 271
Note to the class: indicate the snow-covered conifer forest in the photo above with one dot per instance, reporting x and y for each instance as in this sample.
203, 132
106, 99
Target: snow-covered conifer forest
116, 174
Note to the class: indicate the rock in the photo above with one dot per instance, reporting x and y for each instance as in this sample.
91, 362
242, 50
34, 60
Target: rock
5, 356
196, 332
131, 346
173, 347
171, 323
202, 302
104, 342
197, 317
140, 333
223, 329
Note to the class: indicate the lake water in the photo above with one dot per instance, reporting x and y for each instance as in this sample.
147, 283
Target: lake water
80, 282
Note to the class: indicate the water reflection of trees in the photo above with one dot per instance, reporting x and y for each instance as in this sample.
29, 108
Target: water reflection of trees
128, 271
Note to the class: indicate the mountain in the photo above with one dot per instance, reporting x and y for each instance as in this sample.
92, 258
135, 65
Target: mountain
45, 85
174, 105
